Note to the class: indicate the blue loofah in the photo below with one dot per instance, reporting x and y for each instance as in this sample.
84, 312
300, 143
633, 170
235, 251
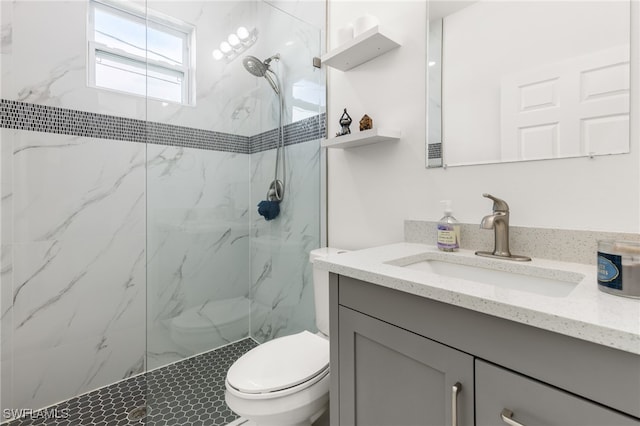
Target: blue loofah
269, 209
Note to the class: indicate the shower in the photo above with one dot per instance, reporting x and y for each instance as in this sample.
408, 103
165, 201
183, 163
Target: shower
270, 208
154, 257
262, 68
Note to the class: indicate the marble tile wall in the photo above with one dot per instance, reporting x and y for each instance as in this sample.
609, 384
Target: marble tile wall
226, 96
100, 236
73, 207
59, 79
6, 145
281, 275
198, 247
61, 289
302, 85
281, 279
6, 267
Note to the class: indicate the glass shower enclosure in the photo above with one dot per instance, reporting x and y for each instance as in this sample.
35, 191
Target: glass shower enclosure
135, 148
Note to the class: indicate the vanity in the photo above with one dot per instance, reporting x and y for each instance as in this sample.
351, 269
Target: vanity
422, 337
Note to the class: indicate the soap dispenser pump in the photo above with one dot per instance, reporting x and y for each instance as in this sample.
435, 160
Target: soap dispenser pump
448, 238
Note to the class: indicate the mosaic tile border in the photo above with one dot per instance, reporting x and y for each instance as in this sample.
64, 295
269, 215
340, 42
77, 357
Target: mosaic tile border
434, 155
48, 119
189, 137
42, 118
188, 392
434, 151
301, 131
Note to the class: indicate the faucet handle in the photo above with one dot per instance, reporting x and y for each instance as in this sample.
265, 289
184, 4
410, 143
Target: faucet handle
498, 204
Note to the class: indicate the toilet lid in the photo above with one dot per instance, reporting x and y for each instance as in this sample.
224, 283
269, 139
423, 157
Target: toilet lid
281, 363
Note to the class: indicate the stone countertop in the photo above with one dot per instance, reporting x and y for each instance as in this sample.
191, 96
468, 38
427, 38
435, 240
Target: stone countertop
584, 313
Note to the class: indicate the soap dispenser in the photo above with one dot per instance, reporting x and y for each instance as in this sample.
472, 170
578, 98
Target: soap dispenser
448, 230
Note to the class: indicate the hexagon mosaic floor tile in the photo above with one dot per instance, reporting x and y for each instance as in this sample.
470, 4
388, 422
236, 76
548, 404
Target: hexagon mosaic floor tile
187, 393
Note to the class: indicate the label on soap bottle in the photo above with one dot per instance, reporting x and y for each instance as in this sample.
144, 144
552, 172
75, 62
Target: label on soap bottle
609, 270
448, 236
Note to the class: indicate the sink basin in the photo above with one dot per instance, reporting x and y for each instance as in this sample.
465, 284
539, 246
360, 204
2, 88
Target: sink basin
526, 280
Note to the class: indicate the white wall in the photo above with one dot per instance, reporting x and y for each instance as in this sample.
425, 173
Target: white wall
373, 189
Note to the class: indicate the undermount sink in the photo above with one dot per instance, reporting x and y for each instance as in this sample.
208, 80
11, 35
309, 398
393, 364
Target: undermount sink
531, 280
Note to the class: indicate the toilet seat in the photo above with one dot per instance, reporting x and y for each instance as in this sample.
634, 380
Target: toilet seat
282, 366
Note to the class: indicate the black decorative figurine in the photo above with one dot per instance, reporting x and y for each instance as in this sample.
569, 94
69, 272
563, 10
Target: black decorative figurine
345, 122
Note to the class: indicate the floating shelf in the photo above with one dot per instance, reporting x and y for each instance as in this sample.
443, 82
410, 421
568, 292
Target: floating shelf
364, 137
368, 45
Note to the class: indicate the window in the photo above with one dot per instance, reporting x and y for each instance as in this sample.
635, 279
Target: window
142, 55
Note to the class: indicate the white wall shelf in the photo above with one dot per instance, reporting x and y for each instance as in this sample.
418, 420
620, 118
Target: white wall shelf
364, 137
368, 45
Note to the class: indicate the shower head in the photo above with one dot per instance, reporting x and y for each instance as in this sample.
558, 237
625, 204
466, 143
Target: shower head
261, 69
255, 66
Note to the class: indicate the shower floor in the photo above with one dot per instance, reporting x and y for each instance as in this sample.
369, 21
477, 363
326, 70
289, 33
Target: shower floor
189, 392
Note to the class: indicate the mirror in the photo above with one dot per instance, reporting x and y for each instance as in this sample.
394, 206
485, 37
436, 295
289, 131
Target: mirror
527, 80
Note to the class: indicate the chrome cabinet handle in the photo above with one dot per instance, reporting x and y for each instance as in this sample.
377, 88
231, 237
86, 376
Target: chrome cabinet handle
506, 416
454, 403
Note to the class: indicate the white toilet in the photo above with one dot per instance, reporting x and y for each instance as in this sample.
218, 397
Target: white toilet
285, 382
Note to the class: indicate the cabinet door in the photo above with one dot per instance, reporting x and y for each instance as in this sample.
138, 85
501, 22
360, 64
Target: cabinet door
533, 403
392, 377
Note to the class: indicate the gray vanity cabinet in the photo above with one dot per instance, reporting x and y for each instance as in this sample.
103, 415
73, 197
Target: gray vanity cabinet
395, 358
391, 376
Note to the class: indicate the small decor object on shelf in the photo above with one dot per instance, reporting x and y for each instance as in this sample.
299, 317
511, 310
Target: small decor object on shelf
366, 123
345, 122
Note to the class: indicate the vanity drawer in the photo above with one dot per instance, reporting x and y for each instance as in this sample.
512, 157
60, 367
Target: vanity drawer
534, 403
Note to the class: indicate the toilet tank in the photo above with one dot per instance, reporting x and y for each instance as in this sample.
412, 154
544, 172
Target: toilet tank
321, 287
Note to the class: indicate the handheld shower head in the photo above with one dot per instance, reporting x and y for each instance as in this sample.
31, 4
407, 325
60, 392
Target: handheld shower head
255, 66
271, 208
261, 69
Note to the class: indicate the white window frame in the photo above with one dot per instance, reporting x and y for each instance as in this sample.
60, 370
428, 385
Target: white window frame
150, 19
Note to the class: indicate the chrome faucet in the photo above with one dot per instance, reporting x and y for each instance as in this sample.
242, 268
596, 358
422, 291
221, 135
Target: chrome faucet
499, 222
